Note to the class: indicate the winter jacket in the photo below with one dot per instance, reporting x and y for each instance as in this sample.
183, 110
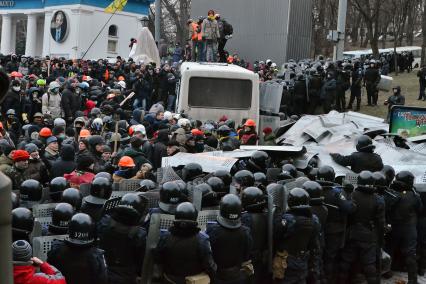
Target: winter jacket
6, 163
80, 264
70, 102
51, 103
210, 29
11, 101
65, 164
24, 273
37, 170
269, 140
328, 90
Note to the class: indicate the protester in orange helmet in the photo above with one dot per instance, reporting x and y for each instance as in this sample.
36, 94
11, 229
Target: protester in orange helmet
126, 169
248, 135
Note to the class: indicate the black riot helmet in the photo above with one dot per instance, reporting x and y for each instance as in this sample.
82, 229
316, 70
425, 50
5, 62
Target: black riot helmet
364, 144
209, 197
81, 229
379, 179
314, 190
253, 200
186, 212
225, 176
389, 173
61, 216
100, 190
230, 212
170, 197
56, 187
244, 178
31, 193
404, 180
259, 158
147, 184
298, 198
326, 173
130, 209
105, 175
191, 171
260, 179
217, 185
312, 174
15, 200
365, 179
72, 196
290, 170
22, 220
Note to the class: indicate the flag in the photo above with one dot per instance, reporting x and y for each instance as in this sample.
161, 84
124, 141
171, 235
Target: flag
116, 5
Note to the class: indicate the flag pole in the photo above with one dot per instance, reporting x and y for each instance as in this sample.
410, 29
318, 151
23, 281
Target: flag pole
116, 8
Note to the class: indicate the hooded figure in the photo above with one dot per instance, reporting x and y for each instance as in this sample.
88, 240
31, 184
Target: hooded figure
160, 148
65, 164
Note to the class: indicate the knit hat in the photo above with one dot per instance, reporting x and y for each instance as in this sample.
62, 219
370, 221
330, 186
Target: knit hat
31, 148
22, 251
51, 139
84, 162
20, 155
106, 149
267, 130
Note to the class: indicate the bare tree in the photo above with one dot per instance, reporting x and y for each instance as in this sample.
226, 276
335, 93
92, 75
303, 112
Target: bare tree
370, 12
423, 60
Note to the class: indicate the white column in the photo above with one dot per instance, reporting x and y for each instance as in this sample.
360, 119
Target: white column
6, 34
13, 40
31, 41
46, 34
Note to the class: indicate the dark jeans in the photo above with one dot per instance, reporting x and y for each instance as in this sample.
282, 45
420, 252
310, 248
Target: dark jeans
422, 90
355, 94
221, 49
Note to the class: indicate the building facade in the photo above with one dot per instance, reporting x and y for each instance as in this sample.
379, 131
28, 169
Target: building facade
276, 29
68, 27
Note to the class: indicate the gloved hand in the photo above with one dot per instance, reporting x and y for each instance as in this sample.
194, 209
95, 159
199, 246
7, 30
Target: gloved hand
334, 155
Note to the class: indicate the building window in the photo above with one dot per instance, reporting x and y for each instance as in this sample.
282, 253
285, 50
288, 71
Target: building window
112, 46
112, 31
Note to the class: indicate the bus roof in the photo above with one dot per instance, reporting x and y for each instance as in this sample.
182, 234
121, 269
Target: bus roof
202, 67
359, 53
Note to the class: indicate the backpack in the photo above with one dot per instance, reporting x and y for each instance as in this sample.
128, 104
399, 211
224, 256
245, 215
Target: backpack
227, 28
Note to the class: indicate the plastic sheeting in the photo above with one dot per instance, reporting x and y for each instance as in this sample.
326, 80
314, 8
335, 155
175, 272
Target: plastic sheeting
145, 49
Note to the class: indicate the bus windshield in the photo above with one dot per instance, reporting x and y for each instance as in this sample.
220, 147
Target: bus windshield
219, 93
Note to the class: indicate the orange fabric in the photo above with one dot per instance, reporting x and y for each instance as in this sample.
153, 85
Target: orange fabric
195, 35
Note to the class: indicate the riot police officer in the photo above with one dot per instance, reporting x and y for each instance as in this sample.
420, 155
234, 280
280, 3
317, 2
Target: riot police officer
22, 224
231, 242
403, 219
30, 193
100, 192
296, 238
183, 251
254, 217
356, 86
56, 187
258, 162
77, 257
288, 173
147, 185
372, 79
316, 201
334, 230
123, 239
72, 196
364, 159
218, 186
243, 179
225, 176
191, 171
389, 173
365, 230
170, 197
61, 215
